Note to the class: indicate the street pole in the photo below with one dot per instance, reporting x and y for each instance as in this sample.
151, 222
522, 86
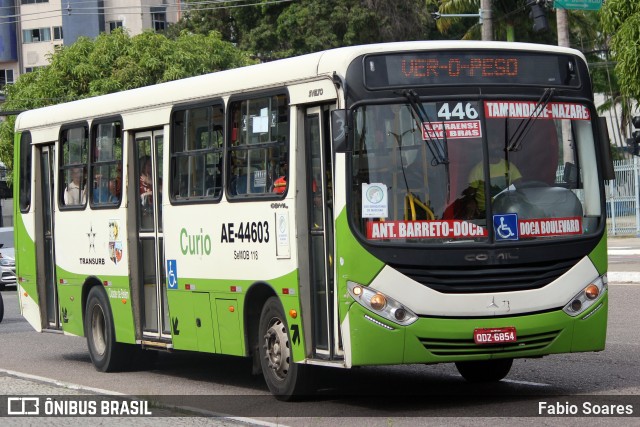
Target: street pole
562, 20
487, 20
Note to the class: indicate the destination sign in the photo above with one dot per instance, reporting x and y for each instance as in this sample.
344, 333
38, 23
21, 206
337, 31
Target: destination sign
469, 68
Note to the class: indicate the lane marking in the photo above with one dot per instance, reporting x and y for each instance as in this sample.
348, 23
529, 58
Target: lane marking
527, 383
616, 251
60, 383
624, 276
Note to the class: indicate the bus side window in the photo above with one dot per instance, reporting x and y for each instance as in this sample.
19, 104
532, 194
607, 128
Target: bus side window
73, 166
196, 152
25, 172
106, 164
259, 149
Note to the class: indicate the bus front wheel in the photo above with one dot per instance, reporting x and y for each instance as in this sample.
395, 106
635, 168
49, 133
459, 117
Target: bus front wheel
106, 354
286, 380
483, 371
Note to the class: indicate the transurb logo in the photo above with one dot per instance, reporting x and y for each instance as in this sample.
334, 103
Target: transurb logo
92, 239
88, 260
506, 226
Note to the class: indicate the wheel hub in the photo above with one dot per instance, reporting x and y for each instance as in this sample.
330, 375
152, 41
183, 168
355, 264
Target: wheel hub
278, 352
98, 330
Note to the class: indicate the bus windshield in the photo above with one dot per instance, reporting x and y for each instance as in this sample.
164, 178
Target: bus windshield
480, 171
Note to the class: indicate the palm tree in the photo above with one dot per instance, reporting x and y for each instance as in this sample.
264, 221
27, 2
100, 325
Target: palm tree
510, 18
506, 15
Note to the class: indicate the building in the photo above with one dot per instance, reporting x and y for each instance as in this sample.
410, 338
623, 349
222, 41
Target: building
30, 30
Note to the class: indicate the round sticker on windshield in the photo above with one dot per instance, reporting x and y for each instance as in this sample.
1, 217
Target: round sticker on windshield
375, 194
374, 201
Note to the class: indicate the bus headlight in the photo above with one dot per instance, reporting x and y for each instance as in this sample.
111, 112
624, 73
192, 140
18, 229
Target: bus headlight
381, 304
586, 297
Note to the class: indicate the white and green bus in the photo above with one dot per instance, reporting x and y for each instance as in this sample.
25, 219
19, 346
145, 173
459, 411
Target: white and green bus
416, 202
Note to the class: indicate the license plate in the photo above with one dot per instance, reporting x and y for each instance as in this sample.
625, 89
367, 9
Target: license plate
494, 335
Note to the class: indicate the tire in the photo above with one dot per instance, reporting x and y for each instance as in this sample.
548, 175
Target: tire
286, 380
1, 308
106, 354
484, 371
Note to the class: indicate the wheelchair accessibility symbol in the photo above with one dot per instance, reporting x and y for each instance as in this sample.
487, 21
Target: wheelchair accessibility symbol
172, 274
506, 226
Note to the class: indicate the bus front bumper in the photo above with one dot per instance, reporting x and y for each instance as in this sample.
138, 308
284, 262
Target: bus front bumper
374, 340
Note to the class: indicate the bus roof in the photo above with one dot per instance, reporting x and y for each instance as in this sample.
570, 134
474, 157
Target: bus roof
260, 76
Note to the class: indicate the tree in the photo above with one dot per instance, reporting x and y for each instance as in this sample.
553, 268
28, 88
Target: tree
621, 22
111, 63
511, 20
286, 29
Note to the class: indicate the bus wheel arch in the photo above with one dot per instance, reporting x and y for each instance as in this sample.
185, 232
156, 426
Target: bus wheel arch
255, 299
106, 353
89, 283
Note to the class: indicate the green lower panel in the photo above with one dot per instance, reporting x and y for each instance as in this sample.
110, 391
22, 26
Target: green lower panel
375, 340
231, 338
71, 309
192, 328
120, 299
374, 343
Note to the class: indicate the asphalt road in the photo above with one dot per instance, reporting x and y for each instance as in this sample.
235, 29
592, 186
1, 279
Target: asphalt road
404, 395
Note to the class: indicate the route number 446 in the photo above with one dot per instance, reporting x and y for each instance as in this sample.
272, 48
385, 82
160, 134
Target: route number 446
460, 111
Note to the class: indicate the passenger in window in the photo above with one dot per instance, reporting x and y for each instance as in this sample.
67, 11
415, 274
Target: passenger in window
115, 187
280, 183
100, 191
146, 181
74, 193
502, 174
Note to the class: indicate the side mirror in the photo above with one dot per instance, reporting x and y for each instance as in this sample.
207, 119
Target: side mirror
608, 172
570, 175
339, 130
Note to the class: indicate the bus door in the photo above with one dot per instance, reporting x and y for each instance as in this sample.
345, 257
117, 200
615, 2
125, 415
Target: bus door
151, 277
320, 208
46, 267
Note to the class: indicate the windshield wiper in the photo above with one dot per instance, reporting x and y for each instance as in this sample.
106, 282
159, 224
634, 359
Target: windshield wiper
524, 127
438, 148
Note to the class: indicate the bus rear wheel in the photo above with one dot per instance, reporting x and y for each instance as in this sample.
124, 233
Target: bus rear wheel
106, 354
286, 380
484, 371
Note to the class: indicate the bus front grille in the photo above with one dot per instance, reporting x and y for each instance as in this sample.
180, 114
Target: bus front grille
466, 347
487, 279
